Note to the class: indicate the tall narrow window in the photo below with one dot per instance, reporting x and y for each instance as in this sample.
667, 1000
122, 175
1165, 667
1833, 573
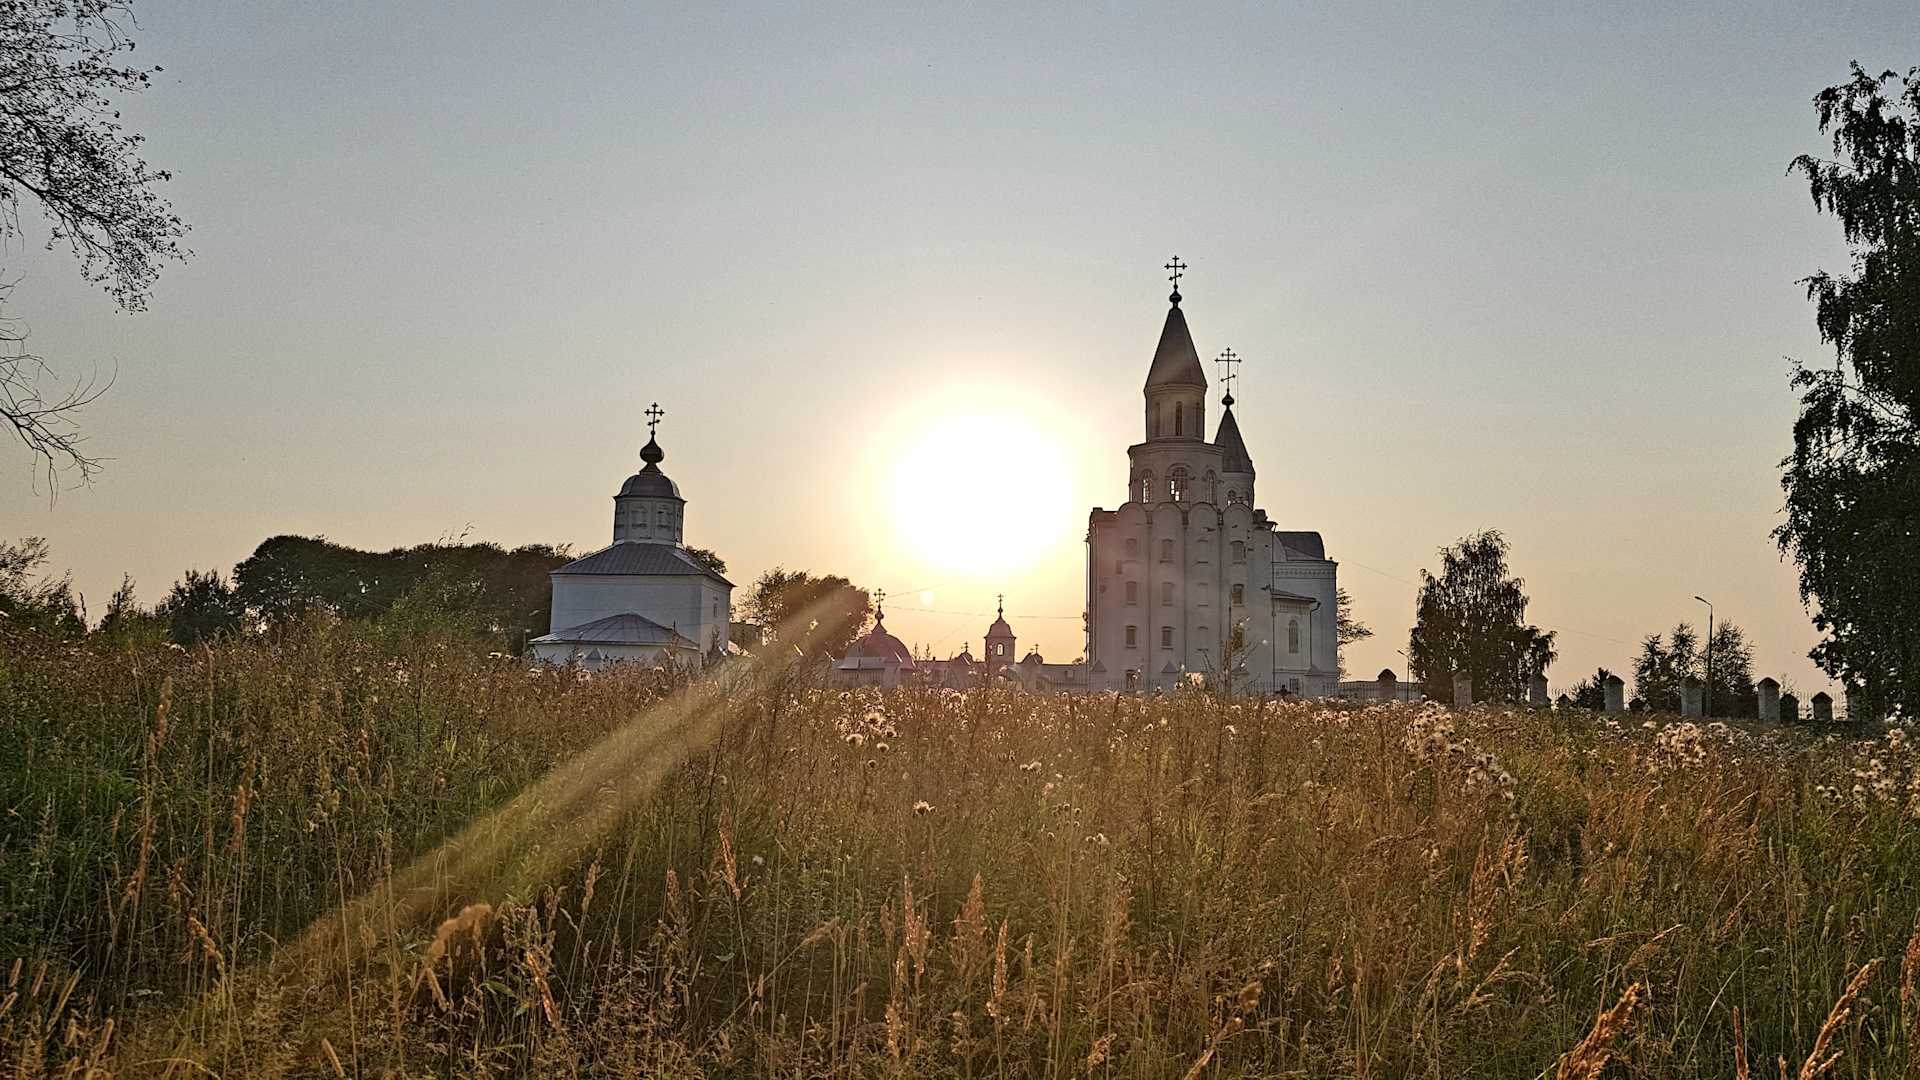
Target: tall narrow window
1133, 548
1133, 632
1166, 637
1166, 594
1239, 551
1293, 635
1154, 421
1179, 419
1119, 568
1207, 487
1133, 592
1166, 551
1146, 487
1179, 484
1239, 595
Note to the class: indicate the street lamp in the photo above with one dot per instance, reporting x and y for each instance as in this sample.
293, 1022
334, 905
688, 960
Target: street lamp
1707, 708
1409, 660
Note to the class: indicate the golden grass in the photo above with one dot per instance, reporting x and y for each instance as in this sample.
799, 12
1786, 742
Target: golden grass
343, 861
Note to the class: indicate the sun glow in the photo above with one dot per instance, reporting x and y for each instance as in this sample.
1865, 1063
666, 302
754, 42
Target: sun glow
982, 492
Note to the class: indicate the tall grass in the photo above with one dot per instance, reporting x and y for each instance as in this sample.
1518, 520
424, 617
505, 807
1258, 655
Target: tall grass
365, 856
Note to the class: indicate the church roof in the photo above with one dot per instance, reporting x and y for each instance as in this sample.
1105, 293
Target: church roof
1235, 459
642, 559
627, 629
650, 482
1305, 544
877, 644
1175, 363
1000, 628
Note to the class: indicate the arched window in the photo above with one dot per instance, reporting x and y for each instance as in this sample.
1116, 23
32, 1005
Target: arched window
1166, 594
1239, 595
1293, 635
1133, 592
1178, 482
1146, 487
1133, 548
1166, 551
1239, 551
1233, 496
1153, 425
1207, 488
1179, 419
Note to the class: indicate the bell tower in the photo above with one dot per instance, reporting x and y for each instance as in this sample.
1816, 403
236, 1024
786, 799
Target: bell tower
649, 509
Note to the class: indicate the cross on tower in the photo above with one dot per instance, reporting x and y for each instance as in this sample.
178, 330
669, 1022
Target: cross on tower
1230, 374
1002, 609
1176, 267
654, 413
879, 598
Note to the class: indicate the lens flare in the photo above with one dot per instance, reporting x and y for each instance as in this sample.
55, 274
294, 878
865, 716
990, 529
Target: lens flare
982, 492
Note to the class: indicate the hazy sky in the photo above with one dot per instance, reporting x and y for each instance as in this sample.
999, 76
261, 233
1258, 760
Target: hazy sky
1527, 266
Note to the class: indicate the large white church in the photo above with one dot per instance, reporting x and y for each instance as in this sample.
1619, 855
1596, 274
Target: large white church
1188, 578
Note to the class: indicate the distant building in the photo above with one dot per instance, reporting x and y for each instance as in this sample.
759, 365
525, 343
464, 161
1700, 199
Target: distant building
876, 658
879, 659
1187, 560
642, 599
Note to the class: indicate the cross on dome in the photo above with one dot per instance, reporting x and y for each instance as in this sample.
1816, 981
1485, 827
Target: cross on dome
654, 413
1176, 267
1229, 363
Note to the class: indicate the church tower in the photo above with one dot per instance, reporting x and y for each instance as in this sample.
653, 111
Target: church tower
644, 598
1187, 579
1000, 641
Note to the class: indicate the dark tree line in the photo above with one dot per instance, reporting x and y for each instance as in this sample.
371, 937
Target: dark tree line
1853, 480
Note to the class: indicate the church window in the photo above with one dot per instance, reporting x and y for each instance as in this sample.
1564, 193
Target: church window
1179, 419
1199, 422
1181, 487
1133, 548
1207, 488
1166, 637
1132, 634
1154, 413
1239, 551
1293, 635
1118, 568
1133, 592
1239, 595
1166, 594
1146, 487
1233, 497
1166, 551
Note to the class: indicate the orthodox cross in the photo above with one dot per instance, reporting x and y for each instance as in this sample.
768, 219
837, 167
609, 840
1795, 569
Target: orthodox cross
654, 413
1230, 375
1002, 609
1176, 266
879, 598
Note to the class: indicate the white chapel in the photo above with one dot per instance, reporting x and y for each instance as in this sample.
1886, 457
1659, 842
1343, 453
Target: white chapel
642, 599
1188, 559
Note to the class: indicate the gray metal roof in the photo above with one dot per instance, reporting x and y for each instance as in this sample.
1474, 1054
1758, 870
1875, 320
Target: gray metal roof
1175, 363
633, 558
650, 483
628, 629
1305, 543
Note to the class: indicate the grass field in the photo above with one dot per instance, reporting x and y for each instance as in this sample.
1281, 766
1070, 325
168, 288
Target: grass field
372, 855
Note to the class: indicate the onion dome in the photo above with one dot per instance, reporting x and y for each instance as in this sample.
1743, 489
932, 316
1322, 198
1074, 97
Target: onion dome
650, 482
877, 644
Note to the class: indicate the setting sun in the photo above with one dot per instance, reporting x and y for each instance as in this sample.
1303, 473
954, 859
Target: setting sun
982, 492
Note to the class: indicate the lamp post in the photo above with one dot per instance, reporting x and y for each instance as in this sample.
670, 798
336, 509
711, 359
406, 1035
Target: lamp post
1409, 660
1707, 708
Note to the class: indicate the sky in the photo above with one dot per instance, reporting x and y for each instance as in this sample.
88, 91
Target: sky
1529, 267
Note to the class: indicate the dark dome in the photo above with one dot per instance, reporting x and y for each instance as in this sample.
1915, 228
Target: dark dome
650, 482
879, 645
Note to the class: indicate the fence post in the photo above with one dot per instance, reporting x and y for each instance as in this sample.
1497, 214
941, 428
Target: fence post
1462, 690
1692, 691
1616, 694
1769, 700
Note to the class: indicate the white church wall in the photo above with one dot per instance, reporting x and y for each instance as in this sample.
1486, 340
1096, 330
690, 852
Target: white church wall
696, 607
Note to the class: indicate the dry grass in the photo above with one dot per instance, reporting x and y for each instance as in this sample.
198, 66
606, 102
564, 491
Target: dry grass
355, 859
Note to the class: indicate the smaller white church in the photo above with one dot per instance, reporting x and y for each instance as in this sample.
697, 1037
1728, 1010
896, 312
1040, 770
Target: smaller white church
642, 599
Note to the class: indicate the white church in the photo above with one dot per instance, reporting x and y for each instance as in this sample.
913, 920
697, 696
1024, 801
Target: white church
642, 599
1188, 578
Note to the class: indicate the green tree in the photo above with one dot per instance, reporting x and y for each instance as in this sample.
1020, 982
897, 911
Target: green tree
706, 557
31, 602
1472, 619
63, 148
1346, 628
1853, 480
1662, 665
1591, 693
200, 608
823, 614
